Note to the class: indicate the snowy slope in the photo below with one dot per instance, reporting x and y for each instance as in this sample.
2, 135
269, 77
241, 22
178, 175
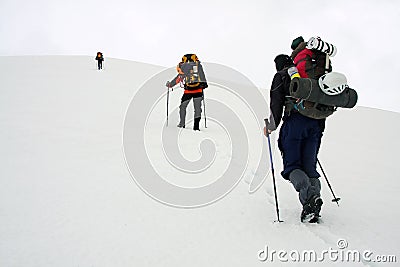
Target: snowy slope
67, 197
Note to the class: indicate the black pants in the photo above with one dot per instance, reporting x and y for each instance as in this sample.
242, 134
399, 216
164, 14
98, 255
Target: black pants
100, 64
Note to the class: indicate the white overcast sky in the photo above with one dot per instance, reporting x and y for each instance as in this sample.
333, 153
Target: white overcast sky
245, 35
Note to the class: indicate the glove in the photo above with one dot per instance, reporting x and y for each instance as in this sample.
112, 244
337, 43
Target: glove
269, 128
168, 84
267, 131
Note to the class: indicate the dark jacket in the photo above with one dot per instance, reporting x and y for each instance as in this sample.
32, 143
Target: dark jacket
279, 91
99, 58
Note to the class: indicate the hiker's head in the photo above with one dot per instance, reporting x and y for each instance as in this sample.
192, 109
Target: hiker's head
282, 61
296, 42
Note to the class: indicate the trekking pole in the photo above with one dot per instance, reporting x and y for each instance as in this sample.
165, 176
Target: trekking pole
167, 104
272, 171
205, 117
335, 199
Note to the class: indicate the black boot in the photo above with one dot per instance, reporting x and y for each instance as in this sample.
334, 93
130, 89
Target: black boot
317, 203
307, 213
311, 210
196, 124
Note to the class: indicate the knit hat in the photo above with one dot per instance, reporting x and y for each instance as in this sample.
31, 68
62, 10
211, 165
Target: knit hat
282, 61
296, 42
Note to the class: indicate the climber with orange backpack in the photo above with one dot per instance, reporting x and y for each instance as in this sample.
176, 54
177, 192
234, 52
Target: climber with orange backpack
192, 79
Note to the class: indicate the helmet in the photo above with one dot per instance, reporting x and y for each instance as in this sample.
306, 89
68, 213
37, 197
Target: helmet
333, 83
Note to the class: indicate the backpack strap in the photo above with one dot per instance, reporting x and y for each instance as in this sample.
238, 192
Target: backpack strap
327, 63
303, 59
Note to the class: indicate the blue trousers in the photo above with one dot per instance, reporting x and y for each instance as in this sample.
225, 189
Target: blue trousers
299, 142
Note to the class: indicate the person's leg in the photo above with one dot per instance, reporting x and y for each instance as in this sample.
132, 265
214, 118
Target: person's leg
197, 112
290, 143
316, 201
316, 183
197, 106
310, 150
182, 109
302, 184
309, 196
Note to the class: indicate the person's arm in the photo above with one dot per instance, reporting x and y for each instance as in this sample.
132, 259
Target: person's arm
277, 102
174, 81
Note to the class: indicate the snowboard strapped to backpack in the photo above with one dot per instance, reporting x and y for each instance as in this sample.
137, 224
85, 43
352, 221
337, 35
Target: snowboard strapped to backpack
192, 71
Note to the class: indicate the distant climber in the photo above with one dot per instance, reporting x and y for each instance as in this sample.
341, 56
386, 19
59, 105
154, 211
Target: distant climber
100, 60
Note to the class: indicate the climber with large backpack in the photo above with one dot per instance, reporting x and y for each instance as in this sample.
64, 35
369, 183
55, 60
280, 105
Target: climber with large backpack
299, 141
192, 79
308, 92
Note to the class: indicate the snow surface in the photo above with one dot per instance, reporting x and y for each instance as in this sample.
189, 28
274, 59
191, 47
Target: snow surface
67, 197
